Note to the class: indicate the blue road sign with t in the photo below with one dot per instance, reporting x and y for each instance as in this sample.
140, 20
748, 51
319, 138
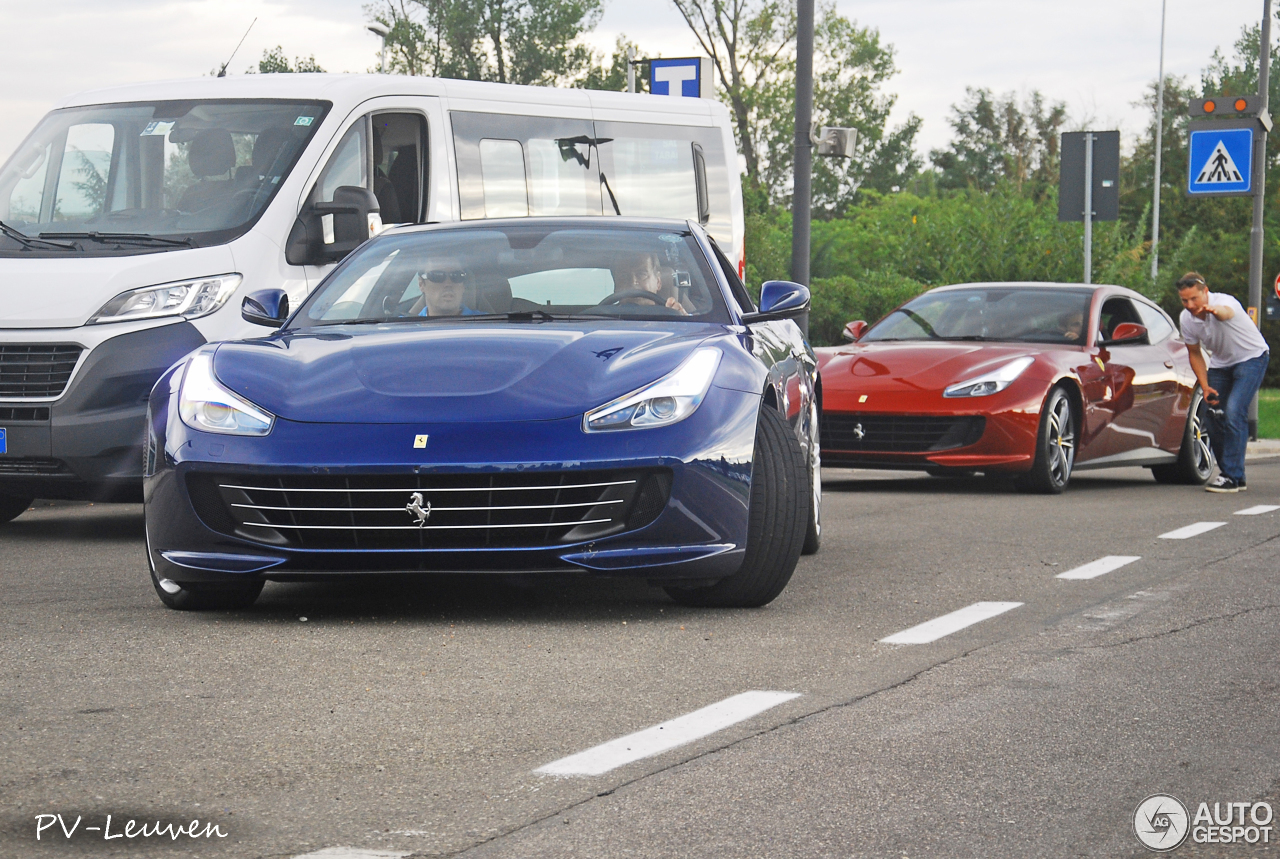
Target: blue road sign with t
680, 77
1221, 161
4, 442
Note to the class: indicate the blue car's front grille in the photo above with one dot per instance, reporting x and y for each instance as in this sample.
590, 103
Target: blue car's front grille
428, 511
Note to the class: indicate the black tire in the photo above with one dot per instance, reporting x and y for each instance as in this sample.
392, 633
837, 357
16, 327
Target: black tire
211, 597
11, 507
776, 523
813, 534
1195, 458
1055, 446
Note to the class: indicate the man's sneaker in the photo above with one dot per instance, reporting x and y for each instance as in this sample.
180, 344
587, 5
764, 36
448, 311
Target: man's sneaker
1222, 483
1242, 486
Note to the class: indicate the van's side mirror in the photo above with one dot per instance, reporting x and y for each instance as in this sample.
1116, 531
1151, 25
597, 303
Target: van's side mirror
269, 307
327, 232
780, 299
853, 330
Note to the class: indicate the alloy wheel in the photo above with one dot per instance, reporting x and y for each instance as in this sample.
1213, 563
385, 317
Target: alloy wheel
1062, 441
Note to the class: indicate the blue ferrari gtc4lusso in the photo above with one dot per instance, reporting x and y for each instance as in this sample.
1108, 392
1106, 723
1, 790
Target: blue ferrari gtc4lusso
533, 395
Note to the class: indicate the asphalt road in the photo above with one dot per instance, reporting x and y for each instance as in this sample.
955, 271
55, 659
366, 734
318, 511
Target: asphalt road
390, 718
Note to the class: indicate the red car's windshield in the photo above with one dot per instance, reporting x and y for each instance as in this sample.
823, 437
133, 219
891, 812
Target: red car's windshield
1032, 315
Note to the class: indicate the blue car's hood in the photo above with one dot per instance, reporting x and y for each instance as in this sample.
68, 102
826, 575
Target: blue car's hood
411, 373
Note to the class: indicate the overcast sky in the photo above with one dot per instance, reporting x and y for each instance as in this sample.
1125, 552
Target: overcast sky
1096, 55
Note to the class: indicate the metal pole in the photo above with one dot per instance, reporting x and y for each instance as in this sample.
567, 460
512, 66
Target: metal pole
1259, 170
631, 69
382, 57
801, 200
1155, 205
1088, 207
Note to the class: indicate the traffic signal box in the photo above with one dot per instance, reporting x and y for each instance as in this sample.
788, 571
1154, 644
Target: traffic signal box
1227, 105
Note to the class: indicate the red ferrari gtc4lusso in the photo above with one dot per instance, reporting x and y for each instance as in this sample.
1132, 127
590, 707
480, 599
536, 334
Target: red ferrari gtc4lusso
1031, 380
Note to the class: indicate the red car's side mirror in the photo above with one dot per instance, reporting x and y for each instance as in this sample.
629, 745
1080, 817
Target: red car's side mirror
853, 330
1127, 332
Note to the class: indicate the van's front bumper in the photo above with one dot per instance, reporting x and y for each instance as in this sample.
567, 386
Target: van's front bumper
88, 442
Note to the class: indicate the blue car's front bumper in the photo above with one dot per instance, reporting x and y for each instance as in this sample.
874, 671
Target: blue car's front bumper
318, 499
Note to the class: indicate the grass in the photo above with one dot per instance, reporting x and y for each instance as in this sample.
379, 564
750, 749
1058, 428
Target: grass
1269, 413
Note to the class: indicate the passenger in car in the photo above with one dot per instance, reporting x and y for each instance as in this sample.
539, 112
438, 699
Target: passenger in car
443, 282
642, 271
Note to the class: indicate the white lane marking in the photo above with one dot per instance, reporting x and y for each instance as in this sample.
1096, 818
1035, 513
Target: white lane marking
668, 735
1191, 530
1100, 567
352, 853
1254, 511
932, 630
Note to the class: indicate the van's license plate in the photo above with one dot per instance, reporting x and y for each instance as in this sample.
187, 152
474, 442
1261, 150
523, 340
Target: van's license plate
4, 443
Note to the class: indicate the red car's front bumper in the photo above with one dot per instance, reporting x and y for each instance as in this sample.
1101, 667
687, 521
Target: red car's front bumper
926, 430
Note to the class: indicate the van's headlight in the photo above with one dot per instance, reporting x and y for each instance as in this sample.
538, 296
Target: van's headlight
186, 298
669, 400
205, 405
990, 383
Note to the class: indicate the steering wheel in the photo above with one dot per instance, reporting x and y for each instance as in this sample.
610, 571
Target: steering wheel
619, 297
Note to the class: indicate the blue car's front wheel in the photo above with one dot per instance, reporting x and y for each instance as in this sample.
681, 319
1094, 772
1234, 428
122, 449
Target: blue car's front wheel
778, 520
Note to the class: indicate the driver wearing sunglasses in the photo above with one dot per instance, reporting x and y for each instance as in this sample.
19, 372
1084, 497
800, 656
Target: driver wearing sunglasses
443, 281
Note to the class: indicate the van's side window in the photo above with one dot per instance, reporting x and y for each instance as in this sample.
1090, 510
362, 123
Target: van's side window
525, 165
349, 164
399, 166
506, 190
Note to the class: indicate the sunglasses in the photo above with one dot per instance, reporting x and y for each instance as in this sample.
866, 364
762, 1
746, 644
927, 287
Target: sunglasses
440, 276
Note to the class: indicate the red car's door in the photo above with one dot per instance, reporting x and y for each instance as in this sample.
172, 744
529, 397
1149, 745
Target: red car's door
1144, 382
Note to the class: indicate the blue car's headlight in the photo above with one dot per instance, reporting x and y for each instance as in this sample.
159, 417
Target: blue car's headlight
205, 405
990, 383
669, 400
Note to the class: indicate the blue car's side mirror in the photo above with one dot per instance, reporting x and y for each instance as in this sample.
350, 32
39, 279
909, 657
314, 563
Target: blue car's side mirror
269, 307
780, 299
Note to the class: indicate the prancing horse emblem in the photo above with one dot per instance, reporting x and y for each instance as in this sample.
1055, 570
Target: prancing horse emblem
419, 509
858, 432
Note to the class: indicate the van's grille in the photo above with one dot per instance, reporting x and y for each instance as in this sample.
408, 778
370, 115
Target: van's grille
24, 413
36, 370
456, 511
32, 465
898, 433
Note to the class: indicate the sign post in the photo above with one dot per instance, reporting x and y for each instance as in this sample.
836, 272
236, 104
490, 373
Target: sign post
1228, 159
1089, 183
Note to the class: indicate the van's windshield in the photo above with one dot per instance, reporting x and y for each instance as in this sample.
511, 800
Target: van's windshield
125, 178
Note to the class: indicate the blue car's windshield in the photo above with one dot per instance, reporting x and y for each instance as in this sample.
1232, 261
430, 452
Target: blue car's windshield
547, 271
1030, 314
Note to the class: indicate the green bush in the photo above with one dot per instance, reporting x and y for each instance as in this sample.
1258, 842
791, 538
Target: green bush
838, 300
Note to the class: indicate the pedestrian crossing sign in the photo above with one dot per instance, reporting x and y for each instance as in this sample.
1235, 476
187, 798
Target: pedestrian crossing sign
1221, 159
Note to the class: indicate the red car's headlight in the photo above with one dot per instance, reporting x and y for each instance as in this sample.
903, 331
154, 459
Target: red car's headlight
990, 383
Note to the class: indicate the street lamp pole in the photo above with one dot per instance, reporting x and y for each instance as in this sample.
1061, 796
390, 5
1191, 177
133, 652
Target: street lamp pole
381, 30
1155, 205
801, 197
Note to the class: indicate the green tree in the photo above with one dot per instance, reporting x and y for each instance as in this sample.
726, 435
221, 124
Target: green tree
275, 62
613, 78
752, 45
507, 41
995, 138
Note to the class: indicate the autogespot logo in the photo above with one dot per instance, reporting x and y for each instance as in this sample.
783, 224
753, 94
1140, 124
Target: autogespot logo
1161, 822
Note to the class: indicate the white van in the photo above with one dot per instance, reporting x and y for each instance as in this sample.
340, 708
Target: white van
136, 218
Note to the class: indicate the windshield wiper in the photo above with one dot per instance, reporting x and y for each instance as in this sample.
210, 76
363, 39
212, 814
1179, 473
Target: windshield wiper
34, 241
975, 337
138, 238
544, 316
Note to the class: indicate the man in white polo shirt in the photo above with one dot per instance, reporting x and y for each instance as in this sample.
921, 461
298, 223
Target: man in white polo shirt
1214, 322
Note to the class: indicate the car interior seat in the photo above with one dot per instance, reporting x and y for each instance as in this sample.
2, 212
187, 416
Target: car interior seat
210, 154
403, 176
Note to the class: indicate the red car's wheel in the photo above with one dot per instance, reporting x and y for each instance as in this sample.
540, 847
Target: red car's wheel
1055, 446
1195, 458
